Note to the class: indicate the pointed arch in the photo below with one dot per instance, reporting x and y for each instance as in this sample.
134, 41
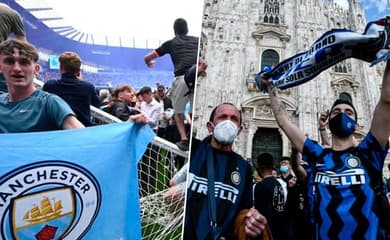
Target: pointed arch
272, 11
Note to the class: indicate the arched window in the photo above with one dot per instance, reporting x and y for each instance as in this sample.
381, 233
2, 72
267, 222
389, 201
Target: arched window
269, 58
271, 11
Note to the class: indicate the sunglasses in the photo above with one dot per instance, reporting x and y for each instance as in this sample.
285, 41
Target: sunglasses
23, 61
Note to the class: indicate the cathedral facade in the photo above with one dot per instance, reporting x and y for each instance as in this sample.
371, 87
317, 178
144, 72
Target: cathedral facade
240, 37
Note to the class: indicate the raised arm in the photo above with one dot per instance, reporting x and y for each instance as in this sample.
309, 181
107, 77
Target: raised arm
322, 124
296, 166
149, 58
380, 126
296, 136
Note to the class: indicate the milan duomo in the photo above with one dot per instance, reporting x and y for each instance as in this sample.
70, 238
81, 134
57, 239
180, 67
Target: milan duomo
240, 37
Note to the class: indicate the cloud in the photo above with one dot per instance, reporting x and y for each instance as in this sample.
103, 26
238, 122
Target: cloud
379, 5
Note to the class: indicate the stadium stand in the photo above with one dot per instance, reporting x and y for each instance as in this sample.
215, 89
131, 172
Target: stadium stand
102, 63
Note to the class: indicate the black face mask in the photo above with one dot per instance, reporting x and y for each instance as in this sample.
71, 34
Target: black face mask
342, 125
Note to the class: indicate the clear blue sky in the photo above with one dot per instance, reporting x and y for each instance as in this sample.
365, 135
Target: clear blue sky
374, 9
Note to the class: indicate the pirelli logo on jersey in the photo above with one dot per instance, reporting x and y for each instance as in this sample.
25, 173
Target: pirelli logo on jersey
346, 178
222, 191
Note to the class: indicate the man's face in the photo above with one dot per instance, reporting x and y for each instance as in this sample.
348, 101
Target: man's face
126, 96
147, 97
285, 163
342, 108
19, 71
160, 93
227, 112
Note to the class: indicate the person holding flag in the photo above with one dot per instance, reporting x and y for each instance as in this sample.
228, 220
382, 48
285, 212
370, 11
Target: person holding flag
75, 184
344, 179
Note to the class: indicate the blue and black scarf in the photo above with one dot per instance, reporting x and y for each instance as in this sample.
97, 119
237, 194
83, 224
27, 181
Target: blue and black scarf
334, 46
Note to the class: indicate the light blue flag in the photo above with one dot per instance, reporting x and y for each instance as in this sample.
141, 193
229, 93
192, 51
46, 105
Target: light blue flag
72, 184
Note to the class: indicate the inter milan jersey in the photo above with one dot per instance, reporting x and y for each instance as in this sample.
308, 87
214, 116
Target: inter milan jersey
270, 201
232, 188
341, 191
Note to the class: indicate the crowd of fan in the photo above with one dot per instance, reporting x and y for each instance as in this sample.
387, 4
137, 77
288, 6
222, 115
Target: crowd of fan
153, 107
117, 77
144, 105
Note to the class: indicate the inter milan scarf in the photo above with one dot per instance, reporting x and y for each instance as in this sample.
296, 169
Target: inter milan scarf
334, 46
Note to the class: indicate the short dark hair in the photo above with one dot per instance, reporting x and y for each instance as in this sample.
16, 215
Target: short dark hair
145, 90
344, 98
212, 115
180, 26
265, 161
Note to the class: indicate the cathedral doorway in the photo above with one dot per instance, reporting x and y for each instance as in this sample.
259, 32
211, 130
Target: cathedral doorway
267, 140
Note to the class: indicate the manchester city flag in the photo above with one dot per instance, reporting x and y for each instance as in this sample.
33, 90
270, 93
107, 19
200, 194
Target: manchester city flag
72, 184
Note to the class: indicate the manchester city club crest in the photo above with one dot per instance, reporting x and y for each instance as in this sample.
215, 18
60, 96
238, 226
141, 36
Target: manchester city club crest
353, 161
48, 200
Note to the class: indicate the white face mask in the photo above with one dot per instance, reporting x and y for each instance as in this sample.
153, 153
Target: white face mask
225, 132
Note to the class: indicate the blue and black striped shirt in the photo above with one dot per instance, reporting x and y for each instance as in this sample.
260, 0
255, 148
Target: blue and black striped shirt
341, 189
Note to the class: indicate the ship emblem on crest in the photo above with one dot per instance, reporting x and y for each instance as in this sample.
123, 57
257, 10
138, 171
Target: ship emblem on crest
48, 200
46, 215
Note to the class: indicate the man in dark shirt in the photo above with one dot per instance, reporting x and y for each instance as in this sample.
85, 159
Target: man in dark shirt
270, 198
209, 215
77, 93
183, 50
342, 178
162, 97
123, 105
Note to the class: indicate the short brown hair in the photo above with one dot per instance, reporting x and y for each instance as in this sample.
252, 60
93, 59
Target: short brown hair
121, 88
70, 62
7, 48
